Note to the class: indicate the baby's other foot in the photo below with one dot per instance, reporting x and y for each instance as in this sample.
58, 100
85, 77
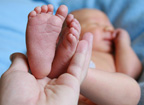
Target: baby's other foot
42, 31
66, 47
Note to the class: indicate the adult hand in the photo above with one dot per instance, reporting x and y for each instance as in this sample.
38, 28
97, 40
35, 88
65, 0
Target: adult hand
19, 87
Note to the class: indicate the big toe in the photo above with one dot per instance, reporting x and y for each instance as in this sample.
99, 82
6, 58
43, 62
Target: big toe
62, 12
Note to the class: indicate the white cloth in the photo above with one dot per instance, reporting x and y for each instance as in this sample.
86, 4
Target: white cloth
92, 65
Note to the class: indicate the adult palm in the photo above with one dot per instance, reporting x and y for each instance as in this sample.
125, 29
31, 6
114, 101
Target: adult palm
19, 87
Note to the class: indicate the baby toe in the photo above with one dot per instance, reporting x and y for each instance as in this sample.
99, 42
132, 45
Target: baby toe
50, 9
44, 8
69, 19
37, 10
72, 39
76, 26
32, 14
62, 12
74, 32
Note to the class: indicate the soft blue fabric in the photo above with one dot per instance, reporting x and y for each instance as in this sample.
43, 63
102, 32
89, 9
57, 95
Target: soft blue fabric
127, 14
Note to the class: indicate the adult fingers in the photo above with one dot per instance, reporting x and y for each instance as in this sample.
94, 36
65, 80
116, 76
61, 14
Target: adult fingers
81, 58
89, 38
19, 62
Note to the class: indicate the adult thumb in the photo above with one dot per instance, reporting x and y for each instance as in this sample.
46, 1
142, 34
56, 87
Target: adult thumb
19, 62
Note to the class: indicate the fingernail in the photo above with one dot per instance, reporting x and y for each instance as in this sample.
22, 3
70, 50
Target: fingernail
91, 37
11, 57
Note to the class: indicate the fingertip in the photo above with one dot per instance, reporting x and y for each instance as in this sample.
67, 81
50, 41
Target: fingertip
88, 36
19, 62
11, 57
17, 55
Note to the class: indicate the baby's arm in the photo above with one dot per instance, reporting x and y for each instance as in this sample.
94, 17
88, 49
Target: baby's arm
126, 60
106, 88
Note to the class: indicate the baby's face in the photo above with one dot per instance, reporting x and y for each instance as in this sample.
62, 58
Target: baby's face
96, 22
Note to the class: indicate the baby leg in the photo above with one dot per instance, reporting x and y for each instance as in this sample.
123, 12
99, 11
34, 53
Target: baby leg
66, 47
42, 31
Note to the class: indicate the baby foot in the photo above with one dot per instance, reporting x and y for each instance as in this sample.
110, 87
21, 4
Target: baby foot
66, 47
42, 31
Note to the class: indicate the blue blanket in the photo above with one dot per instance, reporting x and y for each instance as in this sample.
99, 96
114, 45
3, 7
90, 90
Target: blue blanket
127, 14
